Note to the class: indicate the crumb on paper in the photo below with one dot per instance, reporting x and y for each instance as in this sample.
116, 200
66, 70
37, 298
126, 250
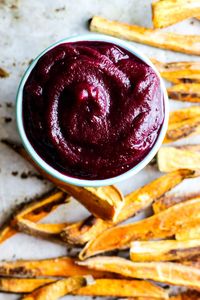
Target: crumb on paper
7, 119
3, 73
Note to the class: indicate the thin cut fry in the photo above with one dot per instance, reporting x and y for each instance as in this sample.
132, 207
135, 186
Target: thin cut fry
100, 287
84, 231
22, 285
189, 232
104, 202
156, 38
172, 158
41, 230
179, 72
34, 211
56, 290
183, 123
185, 92
172, 273
166, 250
54, 267
162, 225
122, 288
171, 199
168, 12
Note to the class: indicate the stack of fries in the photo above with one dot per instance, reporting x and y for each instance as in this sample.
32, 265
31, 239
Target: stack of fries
165, 247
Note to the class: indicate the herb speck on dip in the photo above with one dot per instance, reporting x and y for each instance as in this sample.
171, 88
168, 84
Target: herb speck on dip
92, 110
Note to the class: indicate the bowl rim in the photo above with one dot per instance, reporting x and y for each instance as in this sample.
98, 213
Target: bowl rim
87, 182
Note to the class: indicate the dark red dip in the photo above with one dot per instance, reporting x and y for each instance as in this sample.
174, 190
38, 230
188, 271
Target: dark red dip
92, 110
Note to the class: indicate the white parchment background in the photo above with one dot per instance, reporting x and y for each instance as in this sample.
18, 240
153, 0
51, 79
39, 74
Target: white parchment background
25, 30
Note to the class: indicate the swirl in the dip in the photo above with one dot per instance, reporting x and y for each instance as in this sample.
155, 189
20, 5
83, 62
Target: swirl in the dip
92, 110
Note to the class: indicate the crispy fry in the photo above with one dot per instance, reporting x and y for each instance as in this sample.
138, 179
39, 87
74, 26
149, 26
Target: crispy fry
81, 232
34, 211
162, 225
189, 232
51, 231
168, 12
185, 92
166, 250
54, 267
172, 158
100, 287
104, 202
156, 38
122, 288
169, 200
22, 285
179, 72
182, 123
172, 273
189, 295
184, 114
56, 290
195, 262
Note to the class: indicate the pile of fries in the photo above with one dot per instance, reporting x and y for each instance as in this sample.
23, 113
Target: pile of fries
163, 248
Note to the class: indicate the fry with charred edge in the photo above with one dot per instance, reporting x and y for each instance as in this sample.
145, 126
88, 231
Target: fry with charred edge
169, 200
56, 290
166, 250
162, 225
182, 123
189, 232
54, 267
49, 231
195, 262
156, 38
172, 273
172, 158
86, 230
22, 285
33, 211
179, 72
185, 92
168, 12
103, 202
100, 287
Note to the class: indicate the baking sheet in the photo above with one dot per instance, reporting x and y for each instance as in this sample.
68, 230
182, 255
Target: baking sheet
26, 28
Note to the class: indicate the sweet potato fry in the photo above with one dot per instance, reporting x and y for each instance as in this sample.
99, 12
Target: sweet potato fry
171, 199
122, 288
49, 231
81, 232
183, 123
33, 211
189, 232
104, 202
179, 72
54, 267
165, 250
22, 285
168, 12
185, 92
100, 287
56, 290
172, 273
162, 225
172, 158
184, 114
156, 38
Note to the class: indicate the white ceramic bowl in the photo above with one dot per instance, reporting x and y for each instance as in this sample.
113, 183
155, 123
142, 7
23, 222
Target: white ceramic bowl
83, 182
